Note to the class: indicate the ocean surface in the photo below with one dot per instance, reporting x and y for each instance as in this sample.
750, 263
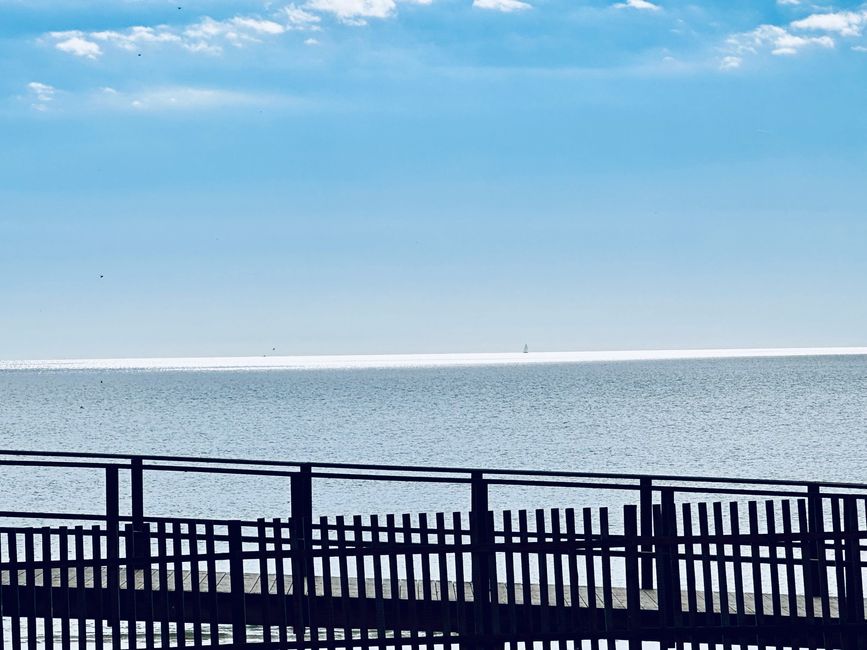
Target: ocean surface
800, 416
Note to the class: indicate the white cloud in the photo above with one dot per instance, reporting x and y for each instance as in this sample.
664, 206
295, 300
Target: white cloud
311, 42
131, 39
859, 48
778, 40
641, 5
506, 6
354, 12
42, 92
41, 95
298, 18
730, 63
207, 36
788, 2
76, 44
844, 23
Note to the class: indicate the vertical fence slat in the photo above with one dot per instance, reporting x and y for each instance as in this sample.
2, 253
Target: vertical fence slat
809, 572
128, 594
378, 592
213, 599
101, 603
178, 566
756, 562
722, 577
343, 568
632, 575
737, 564
144, 537
524, 557
262, 552
327, 585
280, 578
773, 557
195, 580
663, 580
163, 575
839, 562
572, 560
689, 555
509, 560
706, 563
63, 583
425, 558
607, 594
81, 604
462, 624
360, 577
30, 581
542, 566
558, 560
590, 570
789, 554
48, 588
443, 570
14, 590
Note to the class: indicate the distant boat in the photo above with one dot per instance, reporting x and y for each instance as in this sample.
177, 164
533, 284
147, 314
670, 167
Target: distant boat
526, 349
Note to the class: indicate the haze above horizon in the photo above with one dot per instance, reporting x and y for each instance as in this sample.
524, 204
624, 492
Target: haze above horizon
313, 362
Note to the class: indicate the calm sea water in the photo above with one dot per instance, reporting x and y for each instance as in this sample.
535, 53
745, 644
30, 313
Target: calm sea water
802, 417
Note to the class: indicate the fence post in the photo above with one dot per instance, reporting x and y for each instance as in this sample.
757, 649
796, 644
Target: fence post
668, 564
816, 528
112, 525
141, 532
236, 583
301, 529
481, 538
633, 597
646, 510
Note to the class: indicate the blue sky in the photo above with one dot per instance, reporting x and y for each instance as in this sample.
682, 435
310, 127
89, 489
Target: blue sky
372, 176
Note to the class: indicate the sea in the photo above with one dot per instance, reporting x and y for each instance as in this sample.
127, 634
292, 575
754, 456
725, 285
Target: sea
782, 414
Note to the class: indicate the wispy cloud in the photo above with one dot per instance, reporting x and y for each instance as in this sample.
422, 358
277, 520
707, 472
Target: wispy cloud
817, 30
730, 62
506, 6
778, 40
41, 95
641, 5
207, 35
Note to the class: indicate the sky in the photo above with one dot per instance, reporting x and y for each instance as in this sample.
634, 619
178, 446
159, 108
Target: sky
238, 177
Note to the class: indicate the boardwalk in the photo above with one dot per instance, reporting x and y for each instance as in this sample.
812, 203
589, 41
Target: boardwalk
781, 565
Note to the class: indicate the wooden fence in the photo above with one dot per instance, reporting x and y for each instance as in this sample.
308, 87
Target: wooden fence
783, 571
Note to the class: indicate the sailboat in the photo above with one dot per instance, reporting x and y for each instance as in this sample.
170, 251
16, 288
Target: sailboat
526, 349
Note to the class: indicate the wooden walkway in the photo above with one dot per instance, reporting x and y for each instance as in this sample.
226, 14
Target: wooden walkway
649, 598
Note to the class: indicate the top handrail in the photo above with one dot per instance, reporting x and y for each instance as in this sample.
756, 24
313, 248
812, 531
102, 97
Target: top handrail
90, 459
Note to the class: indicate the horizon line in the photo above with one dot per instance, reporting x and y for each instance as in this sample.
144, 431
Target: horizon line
414, 360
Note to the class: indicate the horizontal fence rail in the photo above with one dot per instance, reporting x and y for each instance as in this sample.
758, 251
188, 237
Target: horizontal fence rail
762, 563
